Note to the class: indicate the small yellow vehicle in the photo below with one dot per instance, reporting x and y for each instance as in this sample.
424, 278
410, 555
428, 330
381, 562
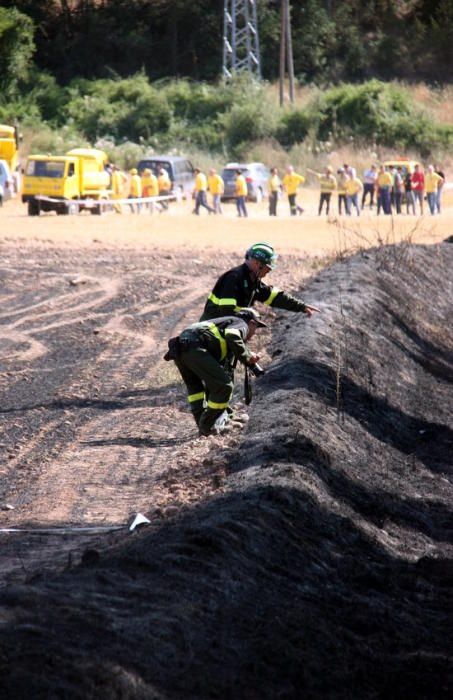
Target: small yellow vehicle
67, 184
408, 166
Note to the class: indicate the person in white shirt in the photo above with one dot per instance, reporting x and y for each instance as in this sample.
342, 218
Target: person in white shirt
369, 185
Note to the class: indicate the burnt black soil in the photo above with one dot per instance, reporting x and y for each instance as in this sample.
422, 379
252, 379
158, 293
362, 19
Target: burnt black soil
325, 568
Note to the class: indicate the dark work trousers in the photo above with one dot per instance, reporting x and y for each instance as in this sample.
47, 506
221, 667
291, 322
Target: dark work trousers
273, 200
201, 200
205, 379
384, 200
342, 199
164, 203
398, 198
240, 206
325, 197
294, 208
368, 189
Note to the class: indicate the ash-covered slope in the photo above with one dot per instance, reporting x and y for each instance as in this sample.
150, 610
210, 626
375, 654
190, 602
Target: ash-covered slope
325, 571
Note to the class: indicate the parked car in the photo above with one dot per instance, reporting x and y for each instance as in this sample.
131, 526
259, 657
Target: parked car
179, 169
256, 176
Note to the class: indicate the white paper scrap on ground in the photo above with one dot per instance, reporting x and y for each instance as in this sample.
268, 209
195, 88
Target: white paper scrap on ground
139, 520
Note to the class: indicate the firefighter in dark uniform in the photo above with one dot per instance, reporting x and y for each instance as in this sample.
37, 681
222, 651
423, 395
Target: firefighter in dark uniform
204, 353
242, 286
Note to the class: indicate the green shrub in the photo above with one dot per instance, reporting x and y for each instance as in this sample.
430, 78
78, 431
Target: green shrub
44, 92
45, 139
126, 155
293, 127
364, 111
18, 110
197, 101
122, 109
248, 122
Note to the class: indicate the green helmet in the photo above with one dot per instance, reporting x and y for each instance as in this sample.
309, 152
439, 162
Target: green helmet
263, 252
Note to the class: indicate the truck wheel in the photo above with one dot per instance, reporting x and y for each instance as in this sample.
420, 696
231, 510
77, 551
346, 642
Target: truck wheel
33, 208
96, 211
73, 209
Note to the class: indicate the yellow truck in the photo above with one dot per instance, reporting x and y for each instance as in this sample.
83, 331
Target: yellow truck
67, 184
9, 146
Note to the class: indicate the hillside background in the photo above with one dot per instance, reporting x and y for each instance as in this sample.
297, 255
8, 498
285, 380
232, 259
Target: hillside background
334, 40
131, 75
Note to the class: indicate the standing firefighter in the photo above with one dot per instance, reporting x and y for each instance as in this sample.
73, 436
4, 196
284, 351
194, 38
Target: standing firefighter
242, 286
204, 354
291, 182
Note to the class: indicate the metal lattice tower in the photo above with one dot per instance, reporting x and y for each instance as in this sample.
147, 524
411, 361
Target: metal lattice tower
241, 48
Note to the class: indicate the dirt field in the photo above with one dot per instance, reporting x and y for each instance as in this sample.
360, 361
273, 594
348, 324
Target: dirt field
309, 556
178, 228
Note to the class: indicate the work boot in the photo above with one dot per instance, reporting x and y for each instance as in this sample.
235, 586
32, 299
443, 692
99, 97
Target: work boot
221, 422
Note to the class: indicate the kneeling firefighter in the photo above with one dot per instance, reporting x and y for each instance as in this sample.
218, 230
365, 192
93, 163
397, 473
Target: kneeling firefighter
204, 354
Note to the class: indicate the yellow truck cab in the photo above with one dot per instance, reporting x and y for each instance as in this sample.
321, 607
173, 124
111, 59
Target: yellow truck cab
67, 184
9, 146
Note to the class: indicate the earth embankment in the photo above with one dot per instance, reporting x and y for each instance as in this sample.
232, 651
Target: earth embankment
324, 567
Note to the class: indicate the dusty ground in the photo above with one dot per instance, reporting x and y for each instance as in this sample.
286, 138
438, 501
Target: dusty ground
310, 556
306, 234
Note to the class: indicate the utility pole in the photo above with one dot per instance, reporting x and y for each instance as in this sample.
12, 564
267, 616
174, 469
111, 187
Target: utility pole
241, 48
283, 8
286, 51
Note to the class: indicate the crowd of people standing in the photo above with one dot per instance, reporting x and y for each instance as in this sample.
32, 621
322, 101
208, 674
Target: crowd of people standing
389, 189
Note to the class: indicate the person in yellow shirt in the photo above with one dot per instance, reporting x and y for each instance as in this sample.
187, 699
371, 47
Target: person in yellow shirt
216, 187
328, 184
164, 186
291, 182
384, 184
354, 187
274, 186
199, 192
241, 193
119, 181
135, 189
432, 183
149, 186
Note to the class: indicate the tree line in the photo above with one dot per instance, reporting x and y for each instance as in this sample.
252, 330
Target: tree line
333, 40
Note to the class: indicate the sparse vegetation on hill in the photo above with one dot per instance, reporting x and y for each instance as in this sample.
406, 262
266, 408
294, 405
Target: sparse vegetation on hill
230, 121
111, 71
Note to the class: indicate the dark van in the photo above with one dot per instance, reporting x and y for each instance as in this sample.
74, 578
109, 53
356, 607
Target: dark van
179, 169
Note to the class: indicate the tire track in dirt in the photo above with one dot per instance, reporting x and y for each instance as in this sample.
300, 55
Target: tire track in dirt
97, 427
100, 482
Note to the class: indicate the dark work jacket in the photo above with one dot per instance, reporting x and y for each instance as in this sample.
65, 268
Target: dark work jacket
224, 338
236, 289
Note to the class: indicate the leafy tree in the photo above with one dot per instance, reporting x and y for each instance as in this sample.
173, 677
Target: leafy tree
16, 47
